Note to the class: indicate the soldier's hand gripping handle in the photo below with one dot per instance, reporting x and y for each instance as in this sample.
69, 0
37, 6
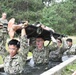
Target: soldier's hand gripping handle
25, 24
23, 31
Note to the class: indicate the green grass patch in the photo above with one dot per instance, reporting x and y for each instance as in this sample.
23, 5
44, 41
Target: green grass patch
69, 69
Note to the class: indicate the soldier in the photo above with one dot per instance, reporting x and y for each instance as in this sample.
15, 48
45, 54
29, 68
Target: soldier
41, 53
3, 19
14, 62
3, 38
71, 51
56, 55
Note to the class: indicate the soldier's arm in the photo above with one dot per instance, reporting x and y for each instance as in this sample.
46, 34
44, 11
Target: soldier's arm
65, 45
24, 49
53, 46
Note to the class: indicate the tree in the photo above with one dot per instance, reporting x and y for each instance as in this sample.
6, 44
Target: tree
61, 17
22, 9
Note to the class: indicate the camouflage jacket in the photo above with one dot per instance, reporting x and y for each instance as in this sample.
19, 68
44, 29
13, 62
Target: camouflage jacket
13, 65
42, 56
57, 54
71, 50
3, 21
16, 64
3, 39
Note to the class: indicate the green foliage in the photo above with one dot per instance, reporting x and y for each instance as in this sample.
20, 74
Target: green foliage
69, 69
59, 16
22, 9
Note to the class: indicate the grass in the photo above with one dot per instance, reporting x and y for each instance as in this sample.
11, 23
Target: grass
69, 69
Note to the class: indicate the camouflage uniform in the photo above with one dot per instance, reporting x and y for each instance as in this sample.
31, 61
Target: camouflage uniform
71, 51
3, 34
16, 64
41, 57
3, 38
55, 56
3, 21
41, 60
13, 65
